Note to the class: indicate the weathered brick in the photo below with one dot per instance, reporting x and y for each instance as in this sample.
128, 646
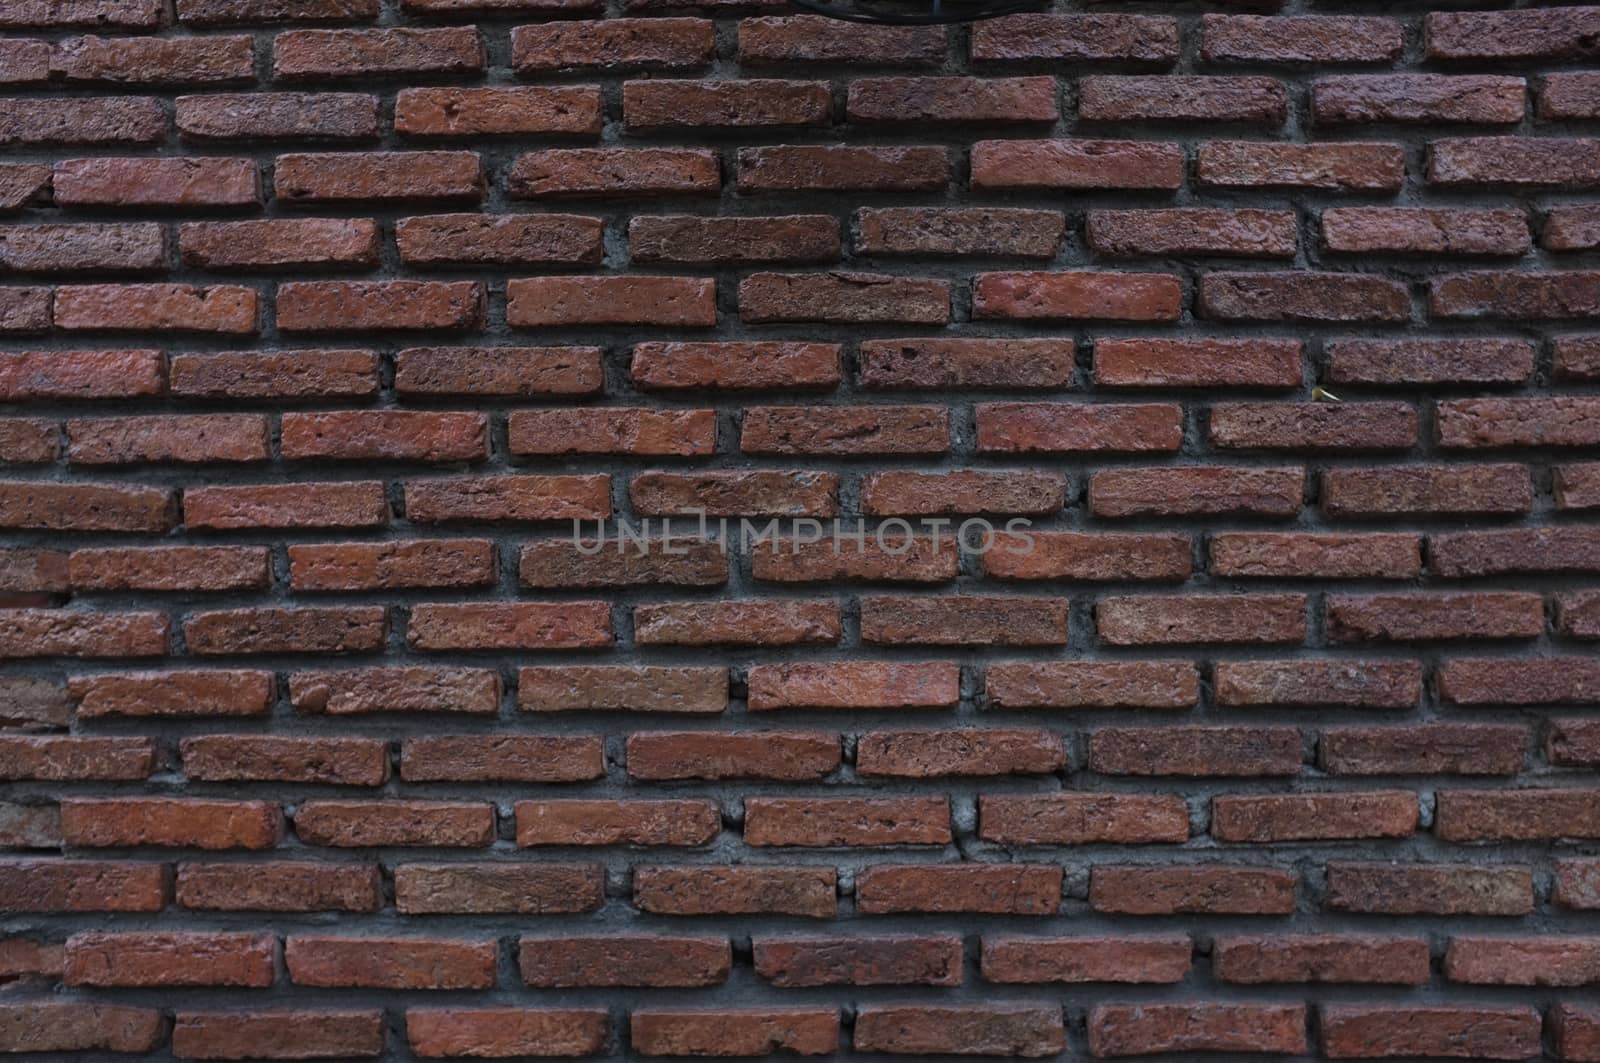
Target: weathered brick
1420, 230
615, 172
349, 504
952, 99
326, 116
381, 53
355, 306
1032, 960
83, 885
173, 822
89, 374
526, 889
1021, 38
441, 112
754, 103
1010, 889
1423, 489
170, 182
617, 960
1083, 818
853, 685
791, 962
977, 751
1092, 684
390, 963
793, 756
1124, 1030
1322, 958
152, 959
247, 758
405, 689
124, 121
189, 692
1081, 164
612, 44
810, 39
277, 1034
280, 887
348, 629
1429, 748
511, 758
691, 238
846, 821
180, 439
746, 1032
279, 244
1353, 1031
135, 247
839, 430
561, 302
223, 309
1356, 99
288, 375
1300, 39
622, 687
1514, 161
1195, 751
1172, 98
510, 626
630, 822
987, 1029
505, 1031
842, 168
1194, 889
1344, 167
735, 890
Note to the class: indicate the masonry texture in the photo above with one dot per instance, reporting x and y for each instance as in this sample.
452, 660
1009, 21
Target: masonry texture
322, 320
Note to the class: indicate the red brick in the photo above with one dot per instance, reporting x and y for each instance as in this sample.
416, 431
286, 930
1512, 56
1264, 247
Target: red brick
1365, 684
407, 689
1514, 161
30, 826
347, 629
351, 504
624, 688
658, 104
1198, 889
1322, 958
31, 571
952, 99
700, 240
1012, 889
1564, 961
1071, 960
748, 1032
504, 1032
1542, 681
465, 239
813, 40
28, 441
1568, 96
510, 626
508, 498
277, 1034
1543, 34
443, 112
1314, 816
279, 244
180, 439
1234, 233
854, 298
1316, 556
1562, 421
1351, 1031
83, 885
1022, 38
275, 758
280, 887
1411, 617
842, 168
379, 177
322, 116
22, 183
130, 247
1172, 98
289, 375
1092, 684
735, 890
173, 822
598, 822
735, 366
25, 309
1345, 167
1576, 1032
1016, 427
547, 302
977, 751
59, 633
613, 44
1131, 1030
384, 435
405, 563
853, 685
1428, 889
1571, 229
362, 824
511, 371
1517, 815
1578, 615
153, 61
1300, 39
988, 1029
1095, 556
616, 960
230, 12
390, 963
966, 491
24, 62
1568, 549
1425, 489
170, 959
47, 1026
1056, 164
614, 172
1424, 749
1083, 819
1460, 360
1312, 425
1417, 230
790, 962
1356, 99
509, 758
1576, 884
529, 889
795, 756
1195, 751
175, 693
223, 309
960, 231
346, 306
313, 54
53, 14
87, 121
733, 623
1238, 618
1308, 297
846, 821
79, 374
841, 430
1078, 296
170, 182
613, 430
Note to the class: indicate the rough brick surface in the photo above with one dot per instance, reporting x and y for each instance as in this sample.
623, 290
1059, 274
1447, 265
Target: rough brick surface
1132, 578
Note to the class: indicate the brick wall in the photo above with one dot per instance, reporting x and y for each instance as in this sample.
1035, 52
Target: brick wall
320, 320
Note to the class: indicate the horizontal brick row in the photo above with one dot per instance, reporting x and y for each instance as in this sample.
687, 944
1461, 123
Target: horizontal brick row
1347, 1031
